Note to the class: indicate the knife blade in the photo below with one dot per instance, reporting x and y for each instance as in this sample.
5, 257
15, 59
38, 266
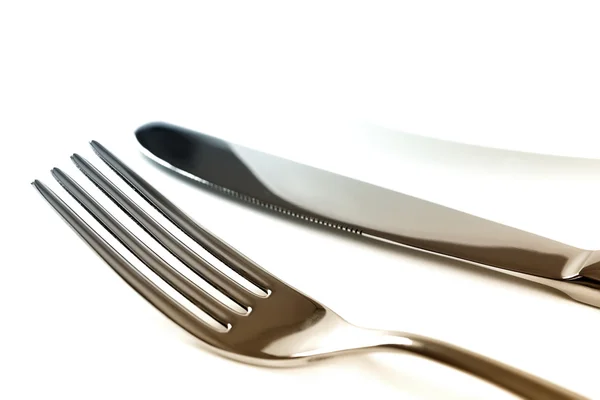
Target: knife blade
360, 208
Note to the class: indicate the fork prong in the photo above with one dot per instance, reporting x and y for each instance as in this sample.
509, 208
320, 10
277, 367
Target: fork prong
174, 278
133, 277
217, 247
196, 263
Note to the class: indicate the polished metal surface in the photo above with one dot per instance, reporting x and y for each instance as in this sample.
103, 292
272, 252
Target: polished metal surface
274, 325
374, 212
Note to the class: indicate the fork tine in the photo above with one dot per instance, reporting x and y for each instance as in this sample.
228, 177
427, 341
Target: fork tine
217, 247
134, 278
174, 278
196, 263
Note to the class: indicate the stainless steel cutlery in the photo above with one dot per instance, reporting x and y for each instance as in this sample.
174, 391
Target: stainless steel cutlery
360, 208
274, 324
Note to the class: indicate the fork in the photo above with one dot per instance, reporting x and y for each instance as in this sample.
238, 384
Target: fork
276, 325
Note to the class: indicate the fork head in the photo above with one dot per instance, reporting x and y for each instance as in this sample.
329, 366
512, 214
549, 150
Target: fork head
275, 324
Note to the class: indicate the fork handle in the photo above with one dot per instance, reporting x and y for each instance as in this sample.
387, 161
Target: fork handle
504, 376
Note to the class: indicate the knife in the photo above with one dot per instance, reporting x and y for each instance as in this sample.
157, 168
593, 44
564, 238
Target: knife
360, 208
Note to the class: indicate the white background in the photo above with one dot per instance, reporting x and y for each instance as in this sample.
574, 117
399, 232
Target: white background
302, 79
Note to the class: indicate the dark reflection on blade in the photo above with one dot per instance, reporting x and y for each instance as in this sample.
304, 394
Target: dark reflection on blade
323, 197
213, 161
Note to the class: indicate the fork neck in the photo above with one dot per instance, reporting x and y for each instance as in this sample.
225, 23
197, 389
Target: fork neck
494, 372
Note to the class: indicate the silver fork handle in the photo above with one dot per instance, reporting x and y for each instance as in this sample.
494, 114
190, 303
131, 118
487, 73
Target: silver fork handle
501, 375
356, 340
